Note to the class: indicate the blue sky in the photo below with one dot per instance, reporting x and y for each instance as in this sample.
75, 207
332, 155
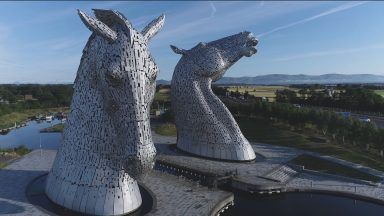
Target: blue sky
42, 42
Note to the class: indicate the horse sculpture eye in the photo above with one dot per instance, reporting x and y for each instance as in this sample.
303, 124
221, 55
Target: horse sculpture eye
113, 79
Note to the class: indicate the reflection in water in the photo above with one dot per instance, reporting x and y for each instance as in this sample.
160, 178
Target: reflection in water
31, 137
302, 204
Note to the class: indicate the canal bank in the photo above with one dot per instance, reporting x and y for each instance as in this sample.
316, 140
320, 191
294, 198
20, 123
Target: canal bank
188, 185
273, 174
30, 136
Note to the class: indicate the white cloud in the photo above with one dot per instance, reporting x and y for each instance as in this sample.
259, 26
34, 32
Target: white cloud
337, 9
213, 9
191, 25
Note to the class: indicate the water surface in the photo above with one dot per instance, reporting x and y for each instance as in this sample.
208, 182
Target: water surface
302, 204
31, 137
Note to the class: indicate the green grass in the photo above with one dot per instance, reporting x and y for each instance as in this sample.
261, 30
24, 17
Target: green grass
21, 150
260, 129
321, 165
57, 128
380, 92
9, 120
263, 130
7, 155
166, 129
260, 91
163, 95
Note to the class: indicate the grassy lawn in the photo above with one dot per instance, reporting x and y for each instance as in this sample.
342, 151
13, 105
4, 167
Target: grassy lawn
260, 91
260, 129
380, 92
9, 120
57, 128
321, 165
263, 130
166, 129
163, 95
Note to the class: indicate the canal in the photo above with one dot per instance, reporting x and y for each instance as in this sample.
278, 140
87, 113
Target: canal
30, 136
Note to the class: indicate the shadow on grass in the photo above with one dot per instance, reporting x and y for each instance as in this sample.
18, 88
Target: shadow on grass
321, 165
263, 130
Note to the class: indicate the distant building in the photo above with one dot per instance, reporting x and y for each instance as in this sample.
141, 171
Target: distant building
262, 99
2, 101
29, 97
330, 92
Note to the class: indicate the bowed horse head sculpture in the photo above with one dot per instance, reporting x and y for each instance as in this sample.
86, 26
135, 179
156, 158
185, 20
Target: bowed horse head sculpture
205, 126
107, 142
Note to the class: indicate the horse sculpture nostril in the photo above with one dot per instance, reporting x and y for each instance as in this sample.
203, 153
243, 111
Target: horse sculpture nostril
252, 41
135, 167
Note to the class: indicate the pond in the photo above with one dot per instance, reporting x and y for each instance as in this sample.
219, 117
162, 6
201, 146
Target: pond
31, 137
302, 204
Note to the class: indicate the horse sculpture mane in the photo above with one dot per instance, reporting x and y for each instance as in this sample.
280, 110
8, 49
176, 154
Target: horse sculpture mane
205, 127
107, 142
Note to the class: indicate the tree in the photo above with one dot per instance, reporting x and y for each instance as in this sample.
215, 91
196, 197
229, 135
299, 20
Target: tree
286, 96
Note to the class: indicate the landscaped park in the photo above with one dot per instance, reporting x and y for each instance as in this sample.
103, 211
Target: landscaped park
119, 137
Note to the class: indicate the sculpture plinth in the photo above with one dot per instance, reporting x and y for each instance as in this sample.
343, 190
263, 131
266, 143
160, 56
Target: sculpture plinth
107, 142
204, 125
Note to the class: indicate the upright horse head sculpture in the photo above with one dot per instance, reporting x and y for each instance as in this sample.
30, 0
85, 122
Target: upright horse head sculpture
107, 141
205, 127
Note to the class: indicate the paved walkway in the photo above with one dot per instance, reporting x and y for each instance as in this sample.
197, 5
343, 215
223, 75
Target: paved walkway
177, 196
310, 182
273, 158
15, 178
174, 195
268, 159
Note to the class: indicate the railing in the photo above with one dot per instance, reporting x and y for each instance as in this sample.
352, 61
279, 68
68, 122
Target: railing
203, 178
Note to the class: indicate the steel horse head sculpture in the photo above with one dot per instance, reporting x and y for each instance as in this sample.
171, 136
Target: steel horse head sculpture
107, 142
205, 127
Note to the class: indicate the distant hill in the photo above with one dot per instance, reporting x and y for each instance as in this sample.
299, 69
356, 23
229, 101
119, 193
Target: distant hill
283, 79
163, 82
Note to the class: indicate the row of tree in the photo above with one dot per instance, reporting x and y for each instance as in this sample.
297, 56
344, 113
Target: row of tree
39, 96
340, 128
351, 98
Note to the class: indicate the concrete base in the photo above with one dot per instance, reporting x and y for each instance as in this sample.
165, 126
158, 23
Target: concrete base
36, 195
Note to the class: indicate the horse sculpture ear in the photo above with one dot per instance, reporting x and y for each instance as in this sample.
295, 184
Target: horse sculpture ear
153, 27
98, 27
110, 17
178, 50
